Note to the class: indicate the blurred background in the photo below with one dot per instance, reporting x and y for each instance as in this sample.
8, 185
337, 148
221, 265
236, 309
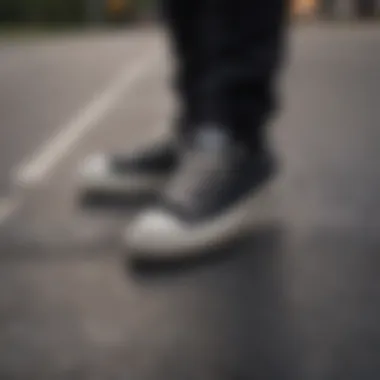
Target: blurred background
73, 12
339, 9
112, 12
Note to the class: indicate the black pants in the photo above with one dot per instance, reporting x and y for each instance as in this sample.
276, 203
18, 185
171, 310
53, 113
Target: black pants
228, 52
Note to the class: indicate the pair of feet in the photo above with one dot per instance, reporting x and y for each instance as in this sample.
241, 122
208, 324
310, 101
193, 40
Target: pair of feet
204, 190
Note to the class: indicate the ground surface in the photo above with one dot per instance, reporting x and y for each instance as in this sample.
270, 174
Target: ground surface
298, 300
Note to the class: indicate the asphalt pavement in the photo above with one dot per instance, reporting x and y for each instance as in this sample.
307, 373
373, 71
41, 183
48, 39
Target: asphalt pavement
298, 299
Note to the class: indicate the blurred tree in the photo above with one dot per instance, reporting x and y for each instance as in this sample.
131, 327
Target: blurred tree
37, 11
71, 11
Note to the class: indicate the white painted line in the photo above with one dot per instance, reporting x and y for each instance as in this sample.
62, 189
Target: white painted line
7, 207
44, 160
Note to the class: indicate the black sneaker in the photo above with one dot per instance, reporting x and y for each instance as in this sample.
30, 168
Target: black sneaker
138, 173
208, 200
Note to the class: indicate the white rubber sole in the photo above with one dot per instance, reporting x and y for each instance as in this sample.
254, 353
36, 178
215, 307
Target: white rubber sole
157, 235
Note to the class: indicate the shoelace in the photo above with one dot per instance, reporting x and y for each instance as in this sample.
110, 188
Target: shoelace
199, 171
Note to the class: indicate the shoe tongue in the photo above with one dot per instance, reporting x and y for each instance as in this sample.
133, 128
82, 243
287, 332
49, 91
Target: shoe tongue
211, 139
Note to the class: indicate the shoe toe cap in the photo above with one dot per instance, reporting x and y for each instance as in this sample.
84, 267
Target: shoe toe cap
156, 231
95, 166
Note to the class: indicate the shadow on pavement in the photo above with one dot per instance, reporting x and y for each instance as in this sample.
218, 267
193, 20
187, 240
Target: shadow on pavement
258, 241
219, 316
115, 202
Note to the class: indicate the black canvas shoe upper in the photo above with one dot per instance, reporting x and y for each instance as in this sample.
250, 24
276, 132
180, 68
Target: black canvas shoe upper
159, 159
215, 173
